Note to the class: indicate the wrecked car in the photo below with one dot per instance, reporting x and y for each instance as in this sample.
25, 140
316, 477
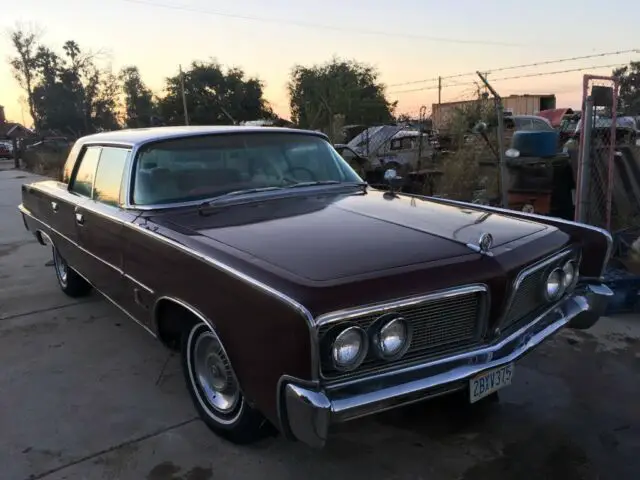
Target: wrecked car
297, 295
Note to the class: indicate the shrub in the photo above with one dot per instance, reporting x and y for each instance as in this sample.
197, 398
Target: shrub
44, 162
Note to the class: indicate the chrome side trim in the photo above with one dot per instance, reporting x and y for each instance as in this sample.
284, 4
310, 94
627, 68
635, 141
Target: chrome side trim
301, 309
349, 313
47, 239
138, 283
84, 277
72, 242
126, 312
522, 276
315, 362
532, 216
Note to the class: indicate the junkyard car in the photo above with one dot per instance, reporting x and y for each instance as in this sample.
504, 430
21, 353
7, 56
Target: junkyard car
297, 295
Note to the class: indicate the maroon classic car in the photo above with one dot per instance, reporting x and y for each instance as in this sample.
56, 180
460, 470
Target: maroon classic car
297, 295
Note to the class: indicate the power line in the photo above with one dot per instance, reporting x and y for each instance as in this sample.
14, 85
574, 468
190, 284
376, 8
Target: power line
540, 74
514, 67
281, 21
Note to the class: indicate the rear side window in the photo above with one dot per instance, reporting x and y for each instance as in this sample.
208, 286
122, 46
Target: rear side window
109, 180
85, 174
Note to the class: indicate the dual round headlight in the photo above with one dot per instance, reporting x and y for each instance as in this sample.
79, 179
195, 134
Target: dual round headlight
560, 280
389, 338
349, 348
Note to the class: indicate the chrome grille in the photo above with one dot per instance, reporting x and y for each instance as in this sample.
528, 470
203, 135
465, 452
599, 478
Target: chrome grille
529, 299
440, 326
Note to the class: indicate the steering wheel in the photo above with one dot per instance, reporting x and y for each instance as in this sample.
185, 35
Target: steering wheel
309, 172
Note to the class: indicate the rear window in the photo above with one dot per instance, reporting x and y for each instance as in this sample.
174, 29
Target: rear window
195, 168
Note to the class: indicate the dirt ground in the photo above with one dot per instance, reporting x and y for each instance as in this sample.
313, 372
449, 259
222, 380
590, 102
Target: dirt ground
87, 394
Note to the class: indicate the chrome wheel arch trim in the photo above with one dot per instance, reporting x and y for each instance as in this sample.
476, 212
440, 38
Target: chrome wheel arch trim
195, 312
44, 238
295, 305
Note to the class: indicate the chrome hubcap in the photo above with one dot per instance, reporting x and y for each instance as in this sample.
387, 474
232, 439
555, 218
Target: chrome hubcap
60, 265
213, 374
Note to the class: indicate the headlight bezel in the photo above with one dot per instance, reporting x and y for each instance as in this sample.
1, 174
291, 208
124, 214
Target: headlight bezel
330, 343
575, 266
560, 290
376, 330
560, 268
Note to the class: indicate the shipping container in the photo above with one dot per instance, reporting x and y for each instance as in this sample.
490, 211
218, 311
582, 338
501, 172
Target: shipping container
513, 105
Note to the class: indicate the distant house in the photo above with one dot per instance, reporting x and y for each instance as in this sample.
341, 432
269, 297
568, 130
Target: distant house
12, 129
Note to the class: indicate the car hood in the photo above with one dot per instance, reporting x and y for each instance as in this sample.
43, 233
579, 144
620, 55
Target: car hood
331, 236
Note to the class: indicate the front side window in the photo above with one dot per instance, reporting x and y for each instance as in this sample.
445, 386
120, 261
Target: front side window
110, 175
195, 168
83, 182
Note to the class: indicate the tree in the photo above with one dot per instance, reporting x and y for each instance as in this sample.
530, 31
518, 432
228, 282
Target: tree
138, 99
213, 96
68, 92
339, 87
629, 96
24, 63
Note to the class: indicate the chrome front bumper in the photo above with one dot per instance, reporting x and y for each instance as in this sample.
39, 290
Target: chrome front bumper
307, 412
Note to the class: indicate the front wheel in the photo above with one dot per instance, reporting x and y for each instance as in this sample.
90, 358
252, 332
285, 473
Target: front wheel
215, 390
70, 282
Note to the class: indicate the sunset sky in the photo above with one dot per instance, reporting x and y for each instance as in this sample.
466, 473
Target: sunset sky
403, 39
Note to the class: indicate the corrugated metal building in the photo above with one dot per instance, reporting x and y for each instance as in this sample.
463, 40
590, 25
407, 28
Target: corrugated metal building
514, 104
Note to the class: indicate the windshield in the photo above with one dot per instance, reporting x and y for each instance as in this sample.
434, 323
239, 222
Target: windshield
198, 168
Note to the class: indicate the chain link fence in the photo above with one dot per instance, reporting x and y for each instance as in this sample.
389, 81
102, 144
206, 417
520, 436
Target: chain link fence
597, 137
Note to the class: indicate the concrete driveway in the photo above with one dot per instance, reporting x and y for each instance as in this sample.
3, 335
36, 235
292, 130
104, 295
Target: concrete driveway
86, 394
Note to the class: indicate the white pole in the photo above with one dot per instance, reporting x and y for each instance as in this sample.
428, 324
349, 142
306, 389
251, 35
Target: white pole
184, 97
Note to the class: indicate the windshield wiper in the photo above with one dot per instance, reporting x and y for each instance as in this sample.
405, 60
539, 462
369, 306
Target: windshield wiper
235, 193
247, 191
326, 182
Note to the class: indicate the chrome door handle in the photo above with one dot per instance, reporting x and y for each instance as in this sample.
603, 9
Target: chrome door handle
54, 206
79, 218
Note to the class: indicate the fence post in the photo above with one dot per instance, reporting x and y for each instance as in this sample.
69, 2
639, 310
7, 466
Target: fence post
16, 153
585, 162
504, 190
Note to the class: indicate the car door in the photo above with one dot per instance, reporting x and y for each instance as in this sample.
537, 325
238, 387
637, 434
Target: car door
100, 222
64, 208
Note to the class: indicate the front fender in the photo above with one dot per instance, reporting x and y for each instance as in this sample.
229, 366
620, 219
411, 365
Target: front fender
596, 243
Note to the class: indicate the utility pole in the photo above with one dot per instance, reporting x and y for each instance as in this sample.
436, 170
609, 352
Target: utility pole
439, 90
184, 97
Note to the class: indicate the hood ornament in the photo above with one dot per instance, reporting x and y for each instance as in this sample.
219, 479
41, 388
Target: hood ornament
485, 242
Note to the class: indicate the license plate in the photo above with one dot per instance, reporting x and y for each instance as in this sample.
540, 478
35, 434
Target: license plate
490, 381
